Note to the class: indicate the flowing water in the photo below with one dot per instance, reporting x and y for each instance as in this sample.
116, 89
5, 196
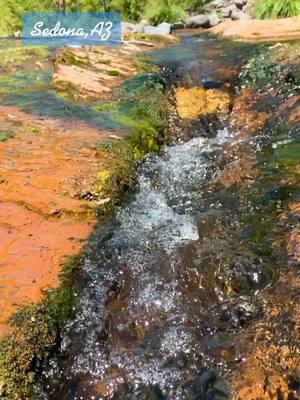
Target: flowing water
168, 284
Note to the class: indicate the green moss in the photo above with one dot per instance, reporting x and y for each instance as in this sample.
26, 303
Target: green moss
35, 129
69, 58
116, 176
162, 39
67, 90
286, 157
145, 66
112, 72
260, 69
13, 56
35, 335
146, 140
143, 109
4, 136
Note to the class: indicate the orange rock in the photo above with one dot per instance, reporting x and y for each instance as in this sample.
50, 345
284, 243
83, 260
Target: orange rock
293, 244
195, 102
31, 251
261, 30
41, 219
238, 172
242, 118
92, 72
295, 115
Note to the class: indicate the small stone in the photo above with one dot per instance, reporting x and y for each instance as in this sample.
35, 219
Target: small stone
239, 16
198, 21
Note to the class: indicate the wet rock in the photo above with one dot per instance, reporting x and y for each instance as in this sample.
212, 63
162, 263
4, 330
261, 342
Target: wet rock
207, 385
239, 172
239, 16
161, 29
194, 102
244, 118
140, 393
294, 76
293, 245
294, 115
92, 73
198, 21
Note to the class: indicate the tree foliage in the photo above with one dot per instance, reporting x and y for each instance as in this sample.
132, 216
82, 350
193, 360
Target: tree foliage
267, 9
155, 11
12, 10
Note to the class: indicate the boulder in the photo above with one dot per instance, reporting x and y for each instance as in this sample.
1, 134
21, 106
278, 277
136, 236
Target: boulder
213, 20
198, 21
161, 29
240, 3
214, 5
164, 28
239, 15
227, 11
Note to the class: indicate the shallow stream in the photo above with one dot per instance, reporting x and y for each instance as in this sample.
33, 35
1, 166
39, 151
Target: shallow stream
171, 281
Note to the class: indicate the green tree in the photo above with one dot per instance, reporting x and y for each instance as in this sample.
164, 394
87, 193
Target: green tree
271, 9
12, 10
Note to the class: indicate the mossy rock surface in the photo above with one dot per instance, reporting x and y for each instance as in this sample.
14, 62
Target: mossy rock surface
141, 107
13, 56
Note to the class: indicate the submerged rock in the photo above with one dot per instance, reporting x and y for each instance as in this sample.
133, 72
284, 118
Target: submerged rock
195, 102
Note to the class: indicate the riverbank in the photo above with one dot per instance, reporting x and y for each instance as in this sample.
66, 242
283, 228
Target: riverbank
49, 164
197, 262
255, 30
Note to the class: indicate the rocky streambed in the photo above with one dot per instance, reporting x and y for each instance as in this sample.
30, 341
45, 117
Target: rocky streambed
190, 289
